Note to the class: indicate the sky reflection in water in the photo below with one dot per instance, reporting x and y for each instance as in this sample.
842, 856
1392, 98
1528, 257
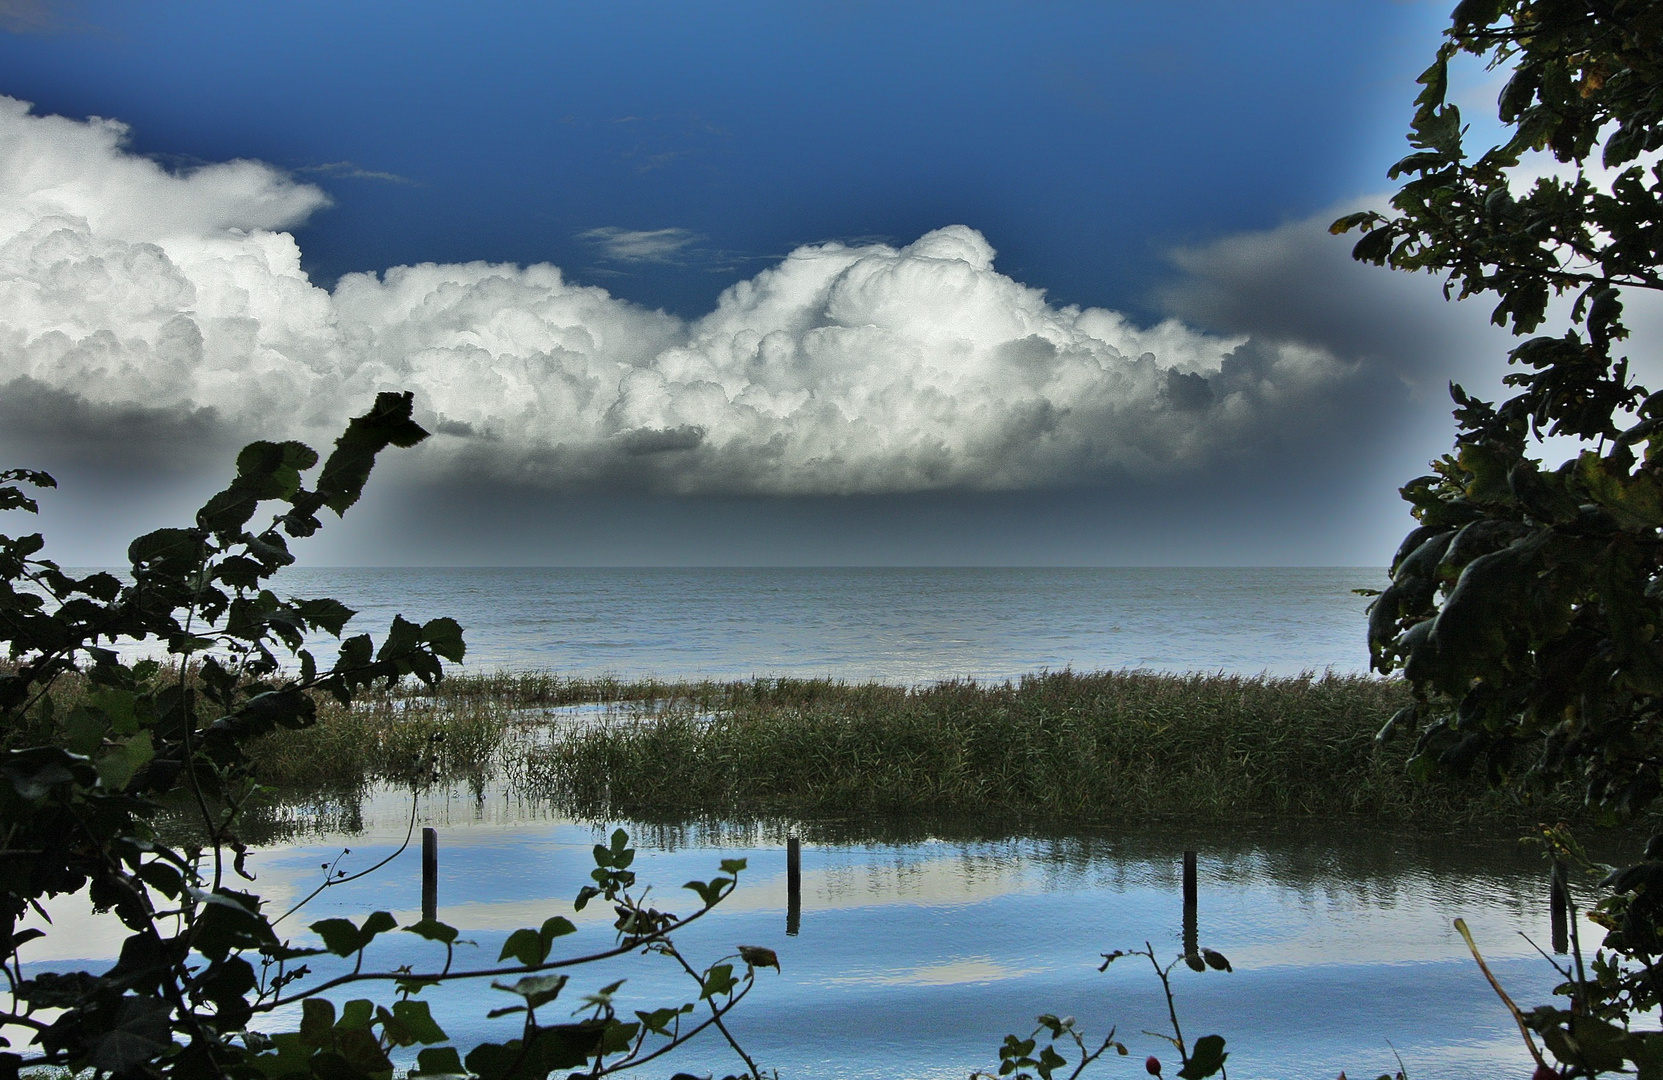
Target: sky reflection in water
915, 959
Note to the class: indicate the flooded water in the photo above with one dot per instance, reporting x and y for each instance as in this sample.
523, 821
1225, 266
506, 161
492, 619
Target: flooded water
919, 949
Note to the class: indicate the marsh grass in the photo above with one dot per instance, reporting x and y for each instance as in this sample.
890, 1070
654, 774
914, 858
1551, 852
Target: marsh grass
1051, 747
380, 739
397, 735
1056, 747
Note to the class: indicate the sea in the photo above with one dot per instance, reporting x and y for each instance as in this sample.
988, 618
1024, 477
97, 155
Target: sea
903, 625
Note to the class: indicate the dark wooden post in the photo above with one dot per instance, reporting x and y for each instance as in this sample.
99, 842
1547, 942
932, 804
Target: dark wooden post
430, 873
1559, 908
1192, 945
793, 885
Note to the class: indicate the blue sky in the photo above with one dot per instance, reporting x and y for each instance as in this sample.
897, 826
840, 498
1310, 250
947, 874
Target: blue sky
1170, 163
1083, 139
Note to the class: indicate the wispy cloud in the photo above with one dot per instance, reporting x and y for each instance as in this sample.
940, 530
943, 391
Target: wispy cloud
350, 170
639, 245
29, 16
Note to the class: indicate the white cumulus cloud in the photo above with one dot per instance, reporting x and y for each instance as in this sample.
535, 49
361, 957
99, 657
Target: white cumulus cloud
130, 291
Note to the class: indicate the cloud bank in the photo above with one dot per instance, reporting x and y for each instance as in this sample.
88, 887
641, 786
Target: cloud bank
137, 305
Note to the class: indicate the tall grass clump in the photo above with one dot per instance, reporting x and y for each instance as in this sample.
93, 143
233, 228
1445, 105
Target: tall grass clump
1095, 747
382, 738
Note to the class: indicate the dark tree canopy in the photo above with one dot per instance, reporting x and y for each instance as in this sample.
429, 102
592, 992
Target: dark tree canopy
1526, 610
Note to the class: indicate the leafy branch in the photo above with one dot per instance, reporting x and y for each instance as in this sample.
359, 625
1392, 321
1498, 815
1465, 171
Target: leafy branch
81, 786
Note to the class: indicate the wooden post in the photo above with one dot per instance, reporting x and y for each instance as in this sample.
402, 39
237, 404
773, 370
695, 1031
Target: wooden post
793, 885
1192, 945
430, 873
1558, 908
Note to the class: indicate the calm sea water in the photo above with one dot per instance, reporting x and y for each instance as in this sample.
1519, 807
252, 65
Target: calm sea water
892, 624
914, 958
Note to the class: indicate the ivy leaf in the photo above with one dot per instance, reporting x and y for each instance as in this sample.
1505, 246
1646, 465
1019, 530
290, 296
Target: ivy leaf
142, 1032
536, 989
433, 930
418, 1021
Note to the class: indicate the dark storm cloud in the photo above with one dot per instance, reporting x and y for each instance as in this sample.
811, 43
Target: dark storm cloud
1298, 283
53, 425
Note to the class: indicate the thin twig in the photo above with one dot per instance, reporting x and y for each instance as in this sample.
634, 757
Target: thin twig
715, 1014
1518, 1017
328, 881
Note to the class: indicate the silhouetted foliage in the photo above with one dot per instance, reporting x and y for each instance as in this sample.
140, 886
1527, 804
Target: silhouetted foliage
1526, 610
204, 959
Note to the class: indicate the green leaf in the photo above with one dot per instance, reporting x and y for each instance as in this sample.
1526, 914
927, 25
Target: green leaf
356, 1015
142, 1032
709, 891
117, 766
1474, 13
504, 1061
229, 920
438, 1061
328, 615
1205, 1059
379, 922
433, 930
536, 989
363, 1052
292, 1058
1436, 81
618, 1036
418, 1021
531, 947
718, 980
339, 936
348, 467
526, 946
317, 1022
658, 1021
758, 956
84, 729
444, 637
166, 549
1636, 502
569, 1046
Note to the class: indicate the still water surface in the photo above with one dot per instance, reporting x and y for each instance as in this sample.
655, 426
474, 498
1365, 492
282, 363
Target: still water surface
903, 625
915, 957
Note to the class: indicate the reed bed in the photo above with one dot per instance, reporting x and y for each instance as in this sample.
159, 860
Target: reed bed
1058, 747
382, 739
